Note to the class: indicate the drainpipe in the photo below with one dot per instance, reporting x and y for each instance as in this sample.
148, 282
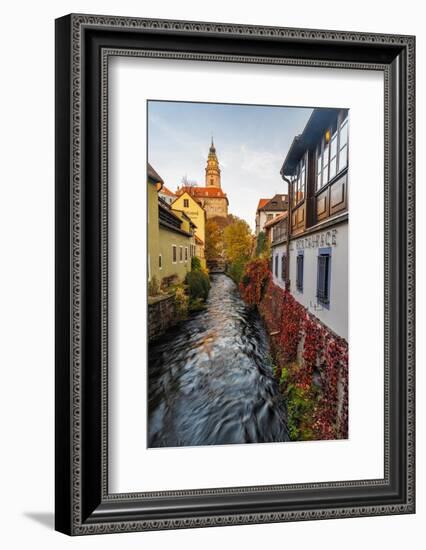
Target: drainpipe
290, 191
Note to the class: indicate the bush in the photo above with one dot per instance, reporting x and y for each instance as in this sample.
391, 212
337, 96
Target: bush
254, 281
181, 303
198, 285
300, 402
154, 287
195, 264
236, 270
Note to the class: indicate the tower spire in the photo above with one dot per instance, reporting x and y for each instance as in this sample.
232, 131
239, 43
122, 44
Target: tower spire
212, 168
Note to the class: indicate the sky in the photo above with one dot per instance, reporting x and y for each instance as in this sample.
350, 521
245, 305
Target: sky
251, 144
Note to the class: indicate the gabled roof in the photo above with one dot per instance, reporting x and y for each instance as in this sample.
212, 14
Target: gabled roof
262, 203
278, 203
202, 192
179, 195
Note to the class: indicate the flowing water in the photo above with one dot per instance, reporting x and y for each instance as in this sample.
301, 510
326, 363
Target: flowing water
211, 380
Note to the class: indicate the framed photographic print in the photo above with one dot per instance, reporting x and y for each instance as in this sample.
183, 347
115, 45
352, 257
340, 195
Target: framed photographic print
234, 274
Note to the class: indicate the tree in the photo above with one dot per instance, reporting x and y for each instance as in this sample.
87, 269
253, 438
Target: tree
262, 245
213, 249
185, 181
238, 241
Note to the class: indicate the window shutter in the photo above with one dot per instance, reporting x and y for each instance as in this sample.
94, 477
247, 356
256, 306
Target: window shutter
322, 281
299, 272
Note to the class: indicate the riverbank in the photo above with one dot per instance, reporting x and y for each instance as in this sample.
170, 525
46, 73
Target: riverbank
310, 361
173, 302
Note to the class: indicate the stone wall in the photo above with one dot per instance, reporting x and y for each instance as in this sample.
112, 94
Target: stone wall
161, 315
215, 206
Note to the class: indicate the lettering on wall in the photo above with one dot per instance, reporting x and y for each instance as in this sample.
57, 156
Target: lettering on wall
319, 240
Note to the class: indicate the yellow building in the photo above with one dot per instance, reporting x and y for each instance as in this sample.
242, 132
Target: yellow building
171, 237
192, 208
154, 180
176, 240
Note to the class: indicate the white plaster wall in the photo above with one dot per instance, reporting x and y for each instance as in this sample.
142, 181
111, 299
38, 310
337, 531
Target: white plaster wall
263, 218
278, 251
336, 318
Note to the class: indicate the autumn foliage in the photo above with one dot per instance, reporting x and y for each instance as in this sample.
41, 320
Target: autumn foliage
311, 361
214, 245
254, 281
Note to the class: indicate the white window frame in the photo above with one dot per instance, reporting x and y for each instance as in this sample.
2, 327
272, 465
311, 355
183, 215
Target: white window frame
298, 183
174, 247
180, 254
344, 122
320, 180
335, 137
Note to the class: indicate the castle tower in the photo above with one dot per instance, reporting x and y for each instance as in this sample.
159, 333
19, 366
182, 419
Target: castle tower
212, 168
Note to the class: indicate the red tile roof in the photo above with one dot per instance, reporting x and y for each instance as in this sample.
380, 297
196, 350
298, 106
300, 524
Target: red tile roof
201, 191
166, 191
276, 204
262, 203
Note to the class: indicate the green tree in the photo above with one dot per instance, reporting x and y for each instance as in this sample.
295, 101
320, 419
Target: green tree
195, 264
262, 247
238, 241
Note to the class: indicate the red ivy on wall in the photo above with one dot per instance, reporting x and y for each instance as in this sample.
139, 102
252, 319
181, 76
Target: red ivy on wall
254, 281
298, 335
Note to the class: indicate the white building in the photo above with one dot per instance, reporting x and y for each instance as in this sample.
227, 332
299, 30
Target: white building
276, 231
321, 258
268, 209
316, 169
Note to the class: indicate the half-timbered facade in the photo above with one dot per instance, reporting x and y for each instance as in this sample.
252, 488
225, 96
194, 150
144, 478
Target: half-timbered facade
316, 170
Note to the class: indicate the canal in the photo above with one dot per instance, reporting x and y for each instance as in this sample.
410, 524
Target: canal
211, 380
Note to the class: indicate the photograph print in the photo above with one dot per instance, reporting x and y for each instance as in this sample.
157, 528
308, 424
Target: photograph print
247, 273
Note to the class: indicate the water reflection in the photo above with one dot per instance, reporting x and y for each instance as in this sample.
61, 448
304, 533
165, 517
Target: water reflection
210, 379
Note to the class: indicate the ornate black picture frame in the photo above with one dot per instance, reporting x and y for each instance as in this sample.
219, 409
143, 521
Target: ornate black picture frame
83, 45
